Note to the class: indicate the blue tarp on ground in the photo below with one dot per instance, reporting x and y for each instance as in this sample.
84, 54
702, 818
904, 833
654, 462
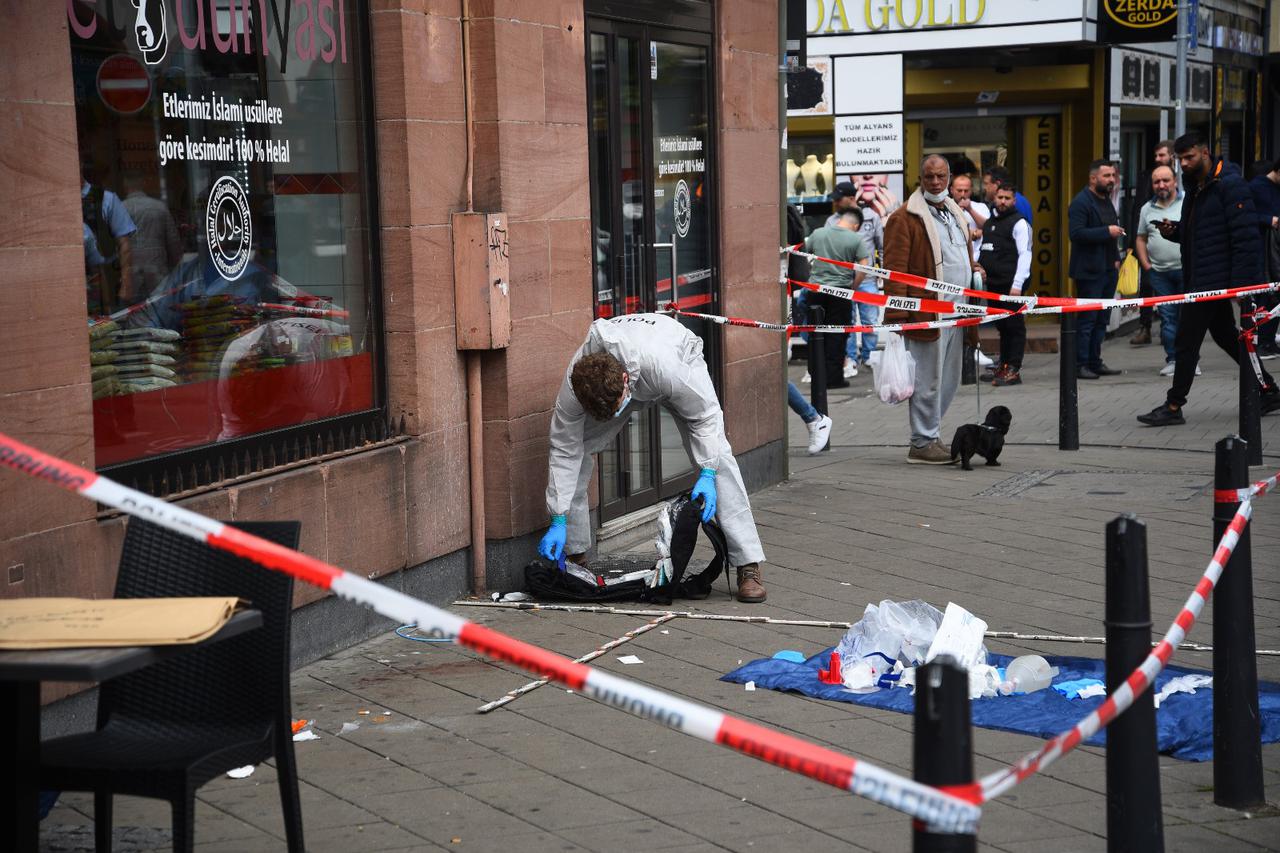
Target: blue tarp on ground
1184, 722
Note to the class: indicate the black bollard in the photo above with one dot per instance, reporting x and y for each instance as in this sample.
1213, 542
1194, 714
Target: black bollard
817, 360
1134, 818
1068, 397
1250, 405
1237, 740
942, 747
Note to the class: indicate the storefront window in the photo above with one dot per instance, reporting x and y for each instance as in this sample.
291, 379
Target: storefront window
226, 229
682, 218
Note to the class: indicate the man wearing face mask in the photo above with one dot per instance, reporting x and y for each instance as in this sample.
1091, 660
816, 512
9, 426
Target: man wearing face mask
1094, 228
929, 236
628, 364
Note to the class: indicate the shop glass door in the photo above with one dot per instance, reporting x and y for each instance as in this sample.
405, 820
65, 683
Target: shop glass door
652, 211
973, 145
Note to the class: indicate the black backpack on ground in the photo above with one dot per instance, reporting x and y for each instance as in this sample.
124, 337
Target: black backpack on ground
627, 578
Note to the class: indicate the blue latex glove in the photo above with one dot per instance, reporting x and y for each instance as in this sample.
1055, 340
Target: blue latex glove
552, 544
1071, 689
705, 488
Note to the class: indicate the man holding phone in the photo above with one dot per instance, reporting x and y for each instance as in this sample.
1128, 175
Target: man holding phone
1220, 248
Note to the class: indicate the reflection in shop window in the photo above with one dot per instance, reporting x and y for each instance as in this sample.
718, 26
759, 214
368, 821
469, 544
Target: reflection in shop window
227, 275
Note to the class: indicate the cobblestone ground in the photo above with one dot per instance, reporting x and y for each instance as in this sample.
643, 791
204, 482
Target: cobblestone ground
1019, 545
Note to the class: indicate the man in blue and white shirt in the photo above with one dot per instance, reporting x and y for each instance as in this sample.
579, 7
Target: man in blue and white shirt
1161, 258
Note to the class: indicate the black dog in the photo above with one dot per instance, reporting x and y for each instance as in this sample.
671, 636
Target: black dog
985, 439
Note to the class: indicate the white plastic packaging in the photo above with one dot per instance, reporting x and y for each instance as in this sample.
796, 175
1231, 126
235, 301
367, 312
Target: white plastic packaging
894, 629
1027, 674
895, 372
984, 681
892, 638
960, 637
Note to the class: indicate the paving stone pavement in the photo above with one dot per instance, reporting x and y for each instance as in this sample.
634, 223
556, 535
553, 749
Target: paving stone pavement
1019, 545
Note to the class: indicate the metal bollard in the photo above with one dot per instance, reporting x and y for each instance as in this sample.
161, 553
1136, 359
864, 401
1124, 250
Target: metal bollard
1134, 818
1237, 739
1250, 405
817, 361
1068, 397
942, 747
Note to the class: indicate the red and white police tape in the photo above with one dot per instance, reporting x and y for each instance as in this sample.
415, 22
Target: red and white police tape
1261, 487
905, 303
791, 328
1041, 304
301, 310
304, 311
995, 784
1250, 337
1265, 316
941, 810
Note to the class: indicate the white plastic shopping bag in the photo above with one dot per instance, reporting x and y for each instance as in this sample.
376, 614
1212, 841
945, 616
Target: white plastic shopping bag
895, 375
886, 638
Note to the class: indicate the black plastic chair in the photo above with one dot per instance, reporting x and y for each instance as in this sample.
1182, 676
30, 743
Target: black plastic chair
168, 729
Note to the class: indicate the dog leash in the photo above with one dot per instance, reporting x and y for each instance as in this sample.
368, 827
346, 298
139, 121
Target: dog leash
977, 377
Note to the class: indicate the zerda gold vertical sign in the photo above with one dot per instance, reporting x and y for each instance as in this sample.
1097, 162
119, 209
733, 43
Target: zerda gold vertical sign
1043, 176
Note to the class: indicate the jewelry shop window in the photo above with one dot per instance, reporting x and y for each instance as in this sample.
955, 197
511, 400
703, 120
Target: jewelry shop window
227, 223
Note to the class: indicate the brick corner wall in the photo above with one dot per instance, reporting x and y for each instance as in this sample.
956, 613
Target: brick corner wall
749, 144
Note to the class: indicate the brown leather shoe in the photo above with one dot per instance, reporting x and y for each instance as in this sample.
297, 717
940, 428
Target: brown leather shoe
1142, 337
750, 589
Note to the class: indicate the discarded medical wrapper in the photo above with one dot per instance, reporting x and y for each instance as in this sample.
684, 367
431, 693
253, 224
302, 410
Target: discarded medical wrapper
891, 638
1183, 684
658, 581
960, 637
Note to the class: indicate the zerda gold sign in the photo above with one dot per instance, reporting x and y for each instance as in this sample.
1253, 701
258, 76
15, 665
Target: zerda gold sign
1141, 13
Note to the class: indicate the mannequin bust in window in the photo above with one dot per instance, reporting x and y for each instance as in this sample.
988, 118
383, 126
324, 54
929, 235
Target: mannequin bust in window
809, 171
827, 169
793, 176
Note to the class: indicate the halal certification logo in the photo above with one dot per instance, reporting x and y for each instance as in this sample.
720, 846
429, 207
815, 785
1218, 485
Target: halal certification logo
683, 208
227, 227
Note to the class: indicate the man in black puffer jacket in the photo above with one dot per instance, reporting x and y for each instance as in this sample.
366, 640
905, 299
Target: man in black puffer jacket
1218, 234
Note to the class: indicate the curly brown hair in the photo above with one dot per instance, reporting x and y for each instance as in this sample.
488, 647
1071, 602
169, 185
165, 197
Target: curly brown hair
598, 385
